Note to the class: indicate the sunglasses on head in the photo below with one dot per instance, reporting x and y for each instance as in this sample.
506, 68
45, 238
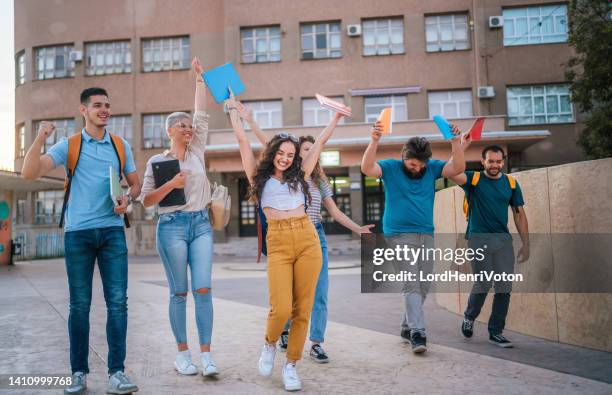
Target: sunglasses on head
287, 136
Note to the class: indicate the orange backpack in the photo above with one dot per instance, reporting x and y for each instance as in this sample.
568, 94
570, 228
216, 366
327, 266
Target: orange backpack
74, 151
475, 179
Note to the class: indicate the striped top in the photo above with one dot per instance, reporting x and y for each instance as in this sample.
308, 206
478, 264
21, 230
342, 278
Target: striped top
318, 195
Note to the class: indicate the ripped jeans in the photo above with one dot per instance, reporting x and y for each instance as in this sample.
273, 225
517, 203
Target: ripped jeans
185, 238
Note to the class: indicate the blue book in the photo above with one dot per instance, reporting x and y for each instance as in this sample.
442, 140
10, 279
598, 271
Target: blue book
444, 126
219, 78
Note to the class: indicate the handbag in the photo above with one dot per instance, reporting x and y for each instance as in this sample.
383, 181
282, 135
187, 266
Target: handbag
219, 208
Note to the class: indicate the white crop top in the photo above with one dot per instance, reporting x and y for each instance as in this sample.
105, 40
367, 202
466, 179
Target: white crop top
278, 196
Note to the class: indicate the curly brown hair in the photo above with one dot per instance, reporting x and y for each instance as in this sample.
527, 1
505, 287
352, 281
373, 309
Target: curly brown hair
294, 175
318, 175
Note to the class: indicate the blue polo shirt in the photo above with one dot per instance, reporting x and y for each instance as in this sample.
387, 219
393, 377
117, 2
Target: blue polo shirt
490, 198
409, 202
90, 205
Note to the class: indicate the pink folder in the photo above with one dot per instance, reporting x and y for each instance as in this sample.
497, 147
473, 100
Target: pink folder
334, 105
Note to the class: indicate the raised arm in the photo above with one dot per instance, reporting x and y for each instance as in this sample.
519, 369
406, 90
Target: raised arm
312, 157
246, 152
369, 166
466, 140
456, 164
200, 117
200, 94
36, 165
247, 115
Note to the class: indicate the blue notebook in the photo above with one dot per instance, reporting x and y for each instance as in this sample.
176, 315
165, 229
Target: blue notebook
444, 126
219, 78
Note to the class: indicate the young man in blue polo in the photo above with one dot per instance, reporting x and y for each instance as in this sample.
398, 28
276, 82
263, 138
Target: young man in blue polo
489, 193
94, 230
408, 218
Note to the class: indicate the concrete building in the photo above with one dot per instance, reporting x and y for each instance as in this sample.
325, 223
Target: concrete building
502, 59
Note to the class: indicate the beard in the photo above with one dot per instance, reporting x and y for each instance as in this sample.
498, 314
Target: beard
414, 175
492, 172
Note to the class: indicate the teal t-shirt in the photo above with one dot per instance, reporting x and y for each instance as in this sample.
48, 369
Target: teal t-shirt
490, 198
409, 202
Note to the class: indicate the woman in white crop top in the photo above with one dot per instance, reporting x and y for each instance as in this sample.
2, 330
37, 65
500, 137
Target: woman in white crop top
279, 184
321, 194
184, 236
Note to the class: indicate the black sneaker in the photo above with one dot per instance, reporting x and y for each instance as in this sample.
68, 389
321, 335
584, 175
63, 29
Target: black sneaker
418, 341
317, 354
501, 341
405, 335
284, 340
467, 328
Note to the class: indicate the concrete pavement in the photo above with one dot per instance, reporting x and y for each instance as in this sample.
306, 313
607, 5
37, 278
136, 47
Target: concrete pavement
33, 314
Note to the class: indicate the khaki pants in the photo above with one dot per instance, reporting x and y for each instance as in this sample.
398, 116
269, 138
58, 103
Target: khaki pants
294, 264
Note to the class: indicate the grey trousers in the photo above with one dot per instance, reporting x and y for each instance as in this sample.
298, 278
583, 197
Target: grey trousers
414, 292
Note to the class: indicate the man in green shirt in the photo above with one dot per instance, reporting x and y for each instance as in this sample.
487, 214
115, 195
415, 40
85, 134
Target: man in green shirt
489, 193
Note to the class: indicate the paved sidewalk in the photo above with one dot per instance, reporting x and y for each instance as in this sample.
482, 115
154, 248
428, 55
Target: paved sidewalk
33, 313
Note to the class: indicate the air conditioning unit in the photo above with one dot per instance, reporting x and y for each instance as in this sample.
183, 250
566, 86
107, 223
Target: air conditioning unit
485, 92
76, 56
353, 30
496, 22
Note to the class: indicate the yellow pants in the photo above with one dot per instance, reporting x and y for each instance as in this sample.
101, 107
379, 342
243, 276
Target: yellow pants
294, 264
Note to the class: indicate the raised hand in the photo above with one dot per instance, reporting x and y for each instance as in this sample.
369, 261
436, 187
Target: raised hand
244, 112
196, 66
45, 130
377, 131
456, 133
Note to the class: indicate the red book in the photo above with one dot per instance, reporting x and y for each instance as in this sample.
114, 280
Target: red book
476, 129
334, 105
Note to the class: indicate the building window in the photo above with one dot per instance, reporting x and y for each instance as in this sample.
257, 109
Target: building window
21, 143
20, 214
375, 104
64, 128
383, 36
49, 206
321, 40
313, 114
121, 125
20, 68
154, 131
108, 57
539, 104
450, 104
162, 54
447, 32
267, 114
54, 62
535, 25
260, 44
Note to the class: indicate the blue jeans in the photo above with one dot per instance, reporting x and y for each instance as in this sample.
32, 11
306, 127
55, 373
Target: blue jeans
185, 238
318, 317
82, 248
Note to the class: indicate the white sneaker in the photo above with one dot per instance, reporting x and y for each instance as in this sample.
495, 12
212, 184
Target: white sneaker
266, 359
119, 384
183, 363
290, 378
209, 368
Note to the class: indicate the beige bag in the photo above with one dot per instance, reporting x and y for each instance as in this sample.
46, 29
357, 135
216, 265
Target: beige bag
219, 208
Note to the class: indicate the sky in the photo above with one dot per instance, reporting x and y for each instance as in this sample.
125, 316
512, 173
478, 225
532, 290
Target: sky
7, 85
